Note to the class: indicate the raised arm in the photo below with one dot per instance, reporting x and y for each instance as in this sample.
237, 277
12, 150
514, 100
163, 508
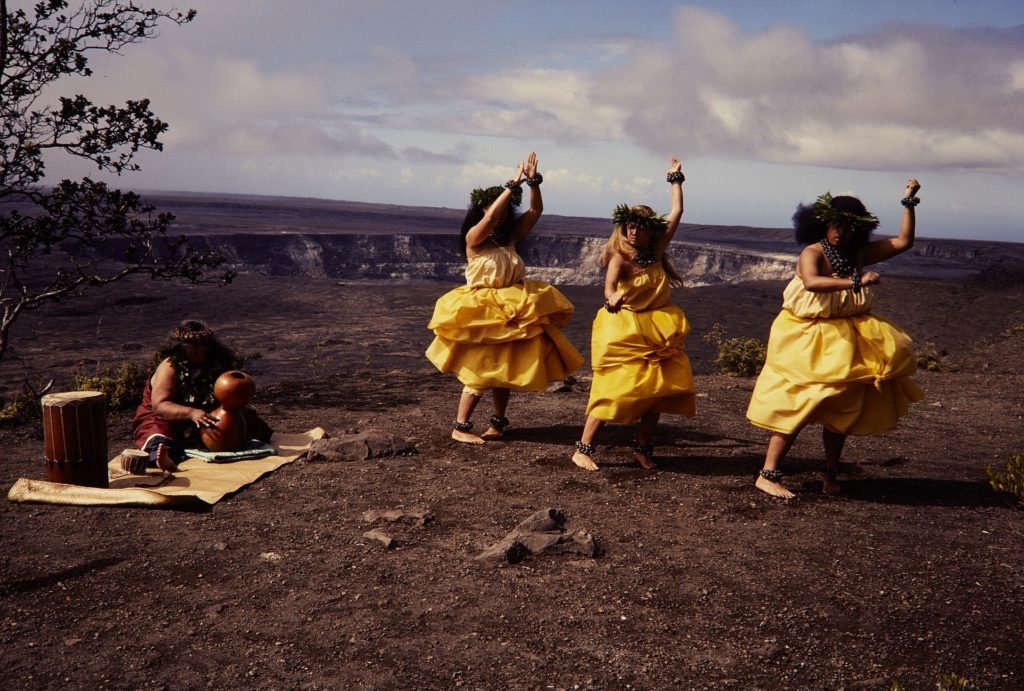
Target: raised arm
675, 175
479, 233
880, 250
529, 219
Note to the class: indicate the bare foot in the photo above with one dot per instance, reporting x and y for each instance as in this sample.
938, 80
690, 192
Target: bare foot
492, 433
164, 461
584, 461
830, 485
644, 460
776, 489
466, 437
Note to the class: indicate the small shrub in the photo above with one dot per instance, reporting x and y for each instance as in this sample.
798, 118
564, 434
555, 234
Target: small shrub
1012, 481
950, 681
932, 360
25, 406
737, 357
1014, 330
123, 384
21, 409
320, 362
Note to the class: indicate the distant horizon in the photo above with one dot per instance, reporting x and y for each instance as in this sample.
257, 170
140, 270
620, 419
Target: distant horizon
461, 210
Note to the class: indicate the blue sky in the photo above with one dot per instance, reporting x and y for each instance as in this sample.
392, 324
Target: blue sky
766, 103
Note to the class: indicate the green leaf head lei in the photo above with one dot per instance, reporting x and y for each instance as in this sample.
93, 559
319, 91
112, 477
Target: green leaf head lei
827, 214
484, 197
625, 216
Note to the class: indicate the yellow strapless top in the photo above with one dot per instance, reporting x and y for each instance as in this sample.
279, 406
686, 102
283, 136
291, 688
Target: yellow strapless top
646, 290
807, 305
496, 267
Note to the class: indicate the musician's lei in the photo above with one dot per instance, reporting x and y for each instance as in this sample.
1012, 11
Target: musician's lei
193, 385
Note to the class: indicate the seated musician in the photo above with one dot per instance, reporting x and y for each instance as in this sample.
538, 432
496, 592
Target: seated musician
178, 398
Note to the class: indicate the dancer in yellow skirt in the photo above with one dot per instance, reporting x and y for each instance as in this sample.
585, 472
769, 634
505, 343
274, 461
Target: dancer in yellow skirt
640, 367
831, 361
500, 331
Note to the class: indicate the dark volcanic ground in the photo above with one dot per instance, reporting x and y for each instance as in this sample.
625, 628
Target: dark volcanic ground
914, 572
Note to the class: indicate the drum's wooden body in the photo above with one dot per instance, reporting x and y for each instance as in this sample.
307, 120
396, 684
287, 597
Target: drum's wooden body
75, 437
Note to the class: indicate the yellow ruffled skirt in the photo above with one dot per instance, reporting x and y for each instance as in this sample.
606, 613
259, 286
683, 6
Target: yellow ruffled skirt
503, 337
640, 365
851, 374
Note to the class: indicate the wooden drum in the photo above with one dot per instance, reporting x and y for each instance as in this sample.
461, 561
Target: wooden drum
75, 437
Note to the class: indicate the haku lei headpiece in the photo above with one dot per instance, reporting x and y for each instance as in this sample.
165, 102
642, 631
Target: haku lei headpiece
827, 214
191, 332
484, 197
625, 216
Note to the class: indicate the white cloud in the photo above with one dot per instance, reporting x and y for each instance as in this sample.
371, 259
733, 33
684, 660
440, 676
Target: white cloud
917, 97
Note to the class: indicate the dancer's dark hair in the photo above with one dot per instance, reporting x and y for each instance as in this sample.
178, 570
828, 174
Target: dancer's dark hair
810, 224
502, 234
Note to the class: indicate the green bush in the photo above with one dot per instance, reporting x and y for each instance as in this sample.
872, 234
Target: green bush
21, 409
123, 384
737, 357
1012, 481
932, 360
25, 406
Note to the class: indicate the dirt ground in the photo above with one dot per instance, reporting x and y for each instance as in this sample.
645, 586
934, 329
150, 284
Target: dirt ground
703, 582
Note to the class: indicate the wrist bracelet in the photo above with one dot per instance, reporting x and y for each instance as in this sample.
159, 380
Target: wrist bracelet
910, 202
535, 180
675, 176
513, 185
855, 282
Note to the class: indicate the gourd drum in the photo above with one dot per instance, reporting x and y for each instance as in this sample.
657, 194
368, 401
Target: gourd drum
233, 390
229, 433
75, 437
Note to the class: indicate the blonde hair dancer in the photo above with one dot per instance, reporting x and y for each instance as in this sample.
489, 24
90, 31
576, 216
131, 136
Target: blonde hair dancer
640, 366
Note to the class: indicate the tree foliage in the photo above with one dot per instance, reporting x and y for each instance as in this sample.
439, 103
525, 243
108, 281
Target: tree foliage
50, 234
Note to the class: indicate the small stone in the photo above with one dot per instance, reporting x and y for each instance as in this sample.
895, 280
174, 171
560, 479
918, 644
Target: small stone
371, 443
69, 642
381, 537
416, 515
270, 556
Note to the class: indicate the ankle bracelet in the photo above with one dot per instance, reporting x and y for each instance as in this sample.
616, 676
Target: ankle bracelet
771, 475
462, 426
587, 449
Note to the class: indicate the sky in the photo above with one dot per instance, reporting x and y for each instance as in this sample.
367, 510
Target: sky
416, 102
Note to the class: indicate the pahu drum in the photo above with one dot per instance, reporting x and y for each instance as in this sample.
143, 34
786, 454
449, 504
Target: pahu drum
75, 437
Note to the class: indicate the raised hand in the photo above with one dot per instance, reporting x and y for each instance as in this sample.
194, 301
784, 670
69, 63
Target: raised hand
519, 173
911, 189
674, 166
530, 169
